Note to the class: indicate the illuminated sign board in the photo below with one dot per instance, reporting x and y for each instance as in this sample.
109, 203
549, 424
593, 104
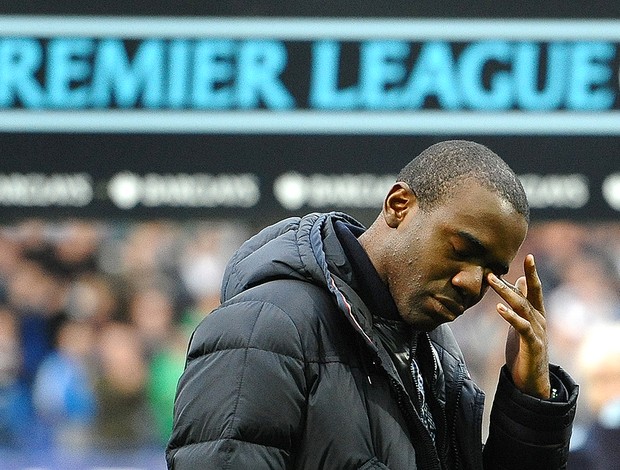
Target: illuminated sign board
309, 76
262, 117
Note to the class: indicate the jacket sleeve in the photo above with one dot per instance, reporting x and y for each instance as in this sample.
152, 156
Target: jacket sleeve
527, 432
240, 401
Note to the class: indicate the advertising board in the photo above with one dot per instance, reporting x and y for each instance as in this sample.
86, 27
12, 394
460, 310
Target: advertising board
149, 116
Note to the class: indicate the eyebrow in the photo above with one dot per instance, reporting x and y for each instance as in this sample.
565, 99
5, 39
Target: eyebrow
479, 247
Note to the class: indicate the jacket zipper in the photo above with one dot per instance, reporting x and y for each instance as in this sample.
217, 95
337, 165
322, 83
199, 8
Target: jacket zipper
415, 422
444, 430
455, 449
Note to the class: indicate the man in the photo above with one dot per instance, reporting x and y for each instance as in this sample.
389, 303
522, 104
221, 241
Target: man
330, 349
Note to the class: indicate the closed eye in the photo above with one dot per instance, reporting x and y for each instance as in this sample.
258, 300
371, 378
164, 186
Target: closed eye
468, 247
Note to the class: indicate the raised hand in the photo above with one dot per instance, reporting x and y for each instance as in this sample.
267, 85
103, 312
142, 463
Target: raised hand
527, 354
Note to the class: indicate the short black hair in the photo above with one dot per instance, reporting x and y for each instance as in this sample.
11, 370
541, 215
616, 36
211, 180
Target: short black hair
439, 169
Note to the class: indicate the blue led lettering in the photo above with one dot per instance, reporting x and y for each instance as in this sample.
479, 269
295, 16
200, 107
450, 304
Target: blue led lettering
381, 69
472, 66
115, 76
526, 71
82, 73
213, 74
433, 75
591, 72
324, 92
178, 73
260, 65
20, 58
68, 67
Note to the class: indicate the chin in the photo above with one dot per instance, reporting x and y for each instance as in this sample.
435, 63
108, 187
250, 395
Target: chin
423, 322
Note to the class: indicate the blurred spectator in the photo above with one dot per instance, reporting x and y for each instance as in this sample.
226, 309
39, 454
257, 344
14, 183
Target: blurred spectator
124, 419
36, 295
586, 296
94, 298
554, 244
598, 361
150, 248
63, 392
97, 321
15, 408
165, 369
10, 257
76, 245
203, 262
151, 310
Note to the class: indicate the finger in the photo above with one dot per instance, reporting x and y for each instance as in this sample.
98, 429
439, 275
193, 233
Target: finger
505, 290
521, 284
520, 324
534, 286
513, 296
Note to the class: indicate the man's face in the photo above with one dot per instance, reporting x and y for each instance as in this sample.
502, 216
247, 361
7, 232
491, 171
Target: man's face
439, 259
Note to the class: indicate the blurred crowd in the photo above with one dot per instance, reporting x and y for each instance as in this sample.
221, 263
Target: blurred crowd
95, 318
94, 323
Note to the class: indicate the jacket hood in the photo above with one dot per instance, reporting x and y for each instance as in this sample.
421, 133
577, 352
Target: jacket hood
294, 248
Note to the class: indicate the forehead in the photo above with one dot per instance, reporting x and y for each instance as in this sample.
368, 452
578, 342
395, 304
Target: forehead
484, 215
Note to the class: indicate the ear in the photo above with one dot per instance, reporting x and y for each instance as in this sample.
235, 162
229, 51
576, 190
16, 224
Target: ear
398, 202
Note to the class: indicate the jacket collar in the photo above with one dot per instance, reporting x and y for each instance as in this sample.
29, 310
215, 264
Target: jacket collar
366, 280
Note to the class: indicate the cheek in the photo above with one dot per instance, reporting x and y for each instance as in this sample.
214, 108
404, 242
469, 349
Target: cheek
407, 293
435, 272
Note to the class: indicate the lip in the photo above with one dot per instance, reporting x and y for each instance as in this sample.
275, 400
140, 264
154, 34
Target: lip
454, 308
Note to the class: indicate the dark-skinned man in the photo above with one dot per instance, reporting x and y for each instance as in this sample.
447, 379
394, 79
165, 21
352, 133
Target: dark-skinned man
331, 348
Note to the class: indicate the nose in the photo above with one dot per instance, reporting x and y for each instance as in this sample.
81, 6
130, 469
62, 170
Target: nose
471, 284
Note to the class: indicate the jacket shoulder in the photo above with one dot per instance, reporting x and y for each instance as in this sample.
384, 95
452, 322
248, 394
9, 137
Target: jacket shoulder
286, 316
246, 378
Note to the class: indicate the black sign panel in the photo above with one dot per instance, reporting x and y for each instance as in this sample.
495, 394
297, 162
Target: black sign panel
309, 8
259, 177
260, 117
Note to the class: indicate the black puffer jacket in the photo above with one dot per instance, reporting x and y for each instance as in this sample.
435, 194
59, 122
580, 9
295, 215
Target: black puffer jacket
287, 374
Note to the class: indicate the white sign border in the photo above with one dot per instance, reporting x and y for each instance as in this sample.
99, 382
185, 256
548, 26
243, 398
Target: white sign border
431, 122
